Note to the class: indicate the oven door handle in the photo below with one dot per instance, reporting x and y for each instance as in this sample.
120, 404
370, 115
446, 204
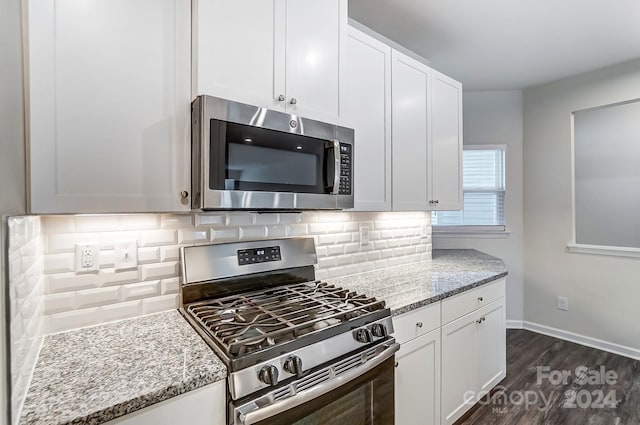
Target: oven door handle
319, 390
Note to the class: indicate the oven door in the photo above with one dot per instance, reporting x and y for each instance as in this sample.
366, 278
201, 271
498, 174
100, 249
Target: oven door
358, 390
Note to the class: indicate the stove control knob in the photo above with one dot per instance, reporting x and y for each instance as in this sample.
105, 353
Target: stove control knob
293, 365
269, 375
379, 330
363, 335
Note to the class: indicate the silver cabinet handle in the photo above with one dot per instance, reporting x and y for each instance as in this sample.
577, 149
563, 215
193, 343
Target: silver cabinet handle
184, 194
293, 101
281, 98
419, 324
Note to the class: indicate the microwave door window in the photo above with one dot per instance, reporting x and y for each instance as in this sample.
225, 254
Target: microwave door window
259, 159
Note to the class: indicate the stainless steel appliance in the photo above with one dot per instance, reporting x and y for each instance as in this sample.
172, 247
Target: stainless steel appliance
299, 351
247, 157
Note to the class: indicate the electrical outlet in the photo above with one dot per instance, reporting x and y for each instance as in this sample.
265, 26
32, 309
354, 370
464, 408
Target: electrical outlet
364, 234
126, 254
87, 257
563, 303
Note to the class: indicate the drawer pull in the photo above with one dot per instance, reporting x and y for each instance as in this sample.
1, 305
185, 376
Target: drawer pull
480, 299
480, 320
397, 364
419, 324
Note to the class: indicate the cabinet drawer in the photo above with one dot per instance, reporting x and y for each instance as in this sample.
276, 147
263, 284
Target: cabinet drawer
466, 302
416, 323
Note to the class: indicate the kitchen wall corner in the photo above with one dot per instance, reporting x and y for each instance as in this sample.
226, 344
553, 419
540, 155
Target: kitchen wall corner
26, 303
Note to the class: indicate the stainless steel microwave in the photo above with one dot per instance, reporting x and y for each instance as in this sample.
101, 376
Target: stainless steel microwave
252, 158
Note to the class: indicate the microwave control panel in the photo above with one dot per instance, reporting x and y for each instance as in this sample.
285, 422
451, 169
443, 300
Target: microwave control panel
345, 169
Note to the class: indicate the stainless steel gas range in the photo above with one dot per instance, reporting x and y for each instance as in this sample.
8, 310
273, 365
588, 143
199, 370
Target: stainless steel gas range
299, 351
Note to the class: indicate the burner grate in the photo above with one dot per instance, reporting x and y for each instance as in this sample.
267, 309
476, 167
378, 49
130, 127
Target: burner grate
250, 322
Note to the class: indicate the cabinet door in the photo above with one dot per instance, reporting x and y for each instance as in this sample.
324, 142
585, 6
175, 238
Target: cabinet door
315, 44
109, 105
409, 133
458, 364
417, 398
233, 50
204, 406
446, 142
491, 346
366, 107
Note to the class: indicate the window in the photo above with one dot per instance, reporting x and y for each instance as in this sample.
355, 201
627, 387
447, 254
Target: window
484, 190
606, 178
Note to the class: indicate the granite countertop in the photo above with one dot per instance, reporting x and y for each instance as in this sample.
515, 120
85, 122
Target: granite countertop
93, 375
411, 286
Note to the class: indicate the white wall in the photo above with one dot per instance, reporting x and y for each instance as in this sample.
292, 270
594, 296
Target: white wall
603, 291
496, 118
12, 195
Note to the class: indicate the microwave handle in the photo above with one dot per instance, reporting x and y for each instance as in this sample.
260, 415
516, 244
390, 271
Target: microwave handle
336, 167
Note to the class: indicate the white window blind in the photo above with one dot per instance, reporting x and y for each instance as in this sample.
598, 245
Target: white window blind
484, 189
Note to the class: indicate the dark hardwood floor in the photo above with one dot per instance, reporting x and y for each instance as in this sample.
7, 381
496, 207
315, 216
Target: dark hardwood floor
533, 395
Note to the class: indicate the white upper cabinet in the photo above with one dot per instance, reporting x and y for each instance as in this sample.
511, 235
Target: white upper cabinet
109, 105
410, 103
279, 54
366, 107
446, 142
233, 50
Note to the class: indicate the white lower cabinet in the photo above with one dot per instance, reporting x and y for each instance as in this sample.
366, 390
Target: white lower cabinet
417, 399
473, 358
452, 353
204, 406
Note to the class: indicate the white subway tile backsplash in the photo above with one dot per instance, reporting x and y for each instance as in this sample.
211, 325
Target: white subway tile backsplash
253, 232
159, 271
297, 230
158, 237
67, 282
157, 304
218, 234
97, 296
73, 319
277, 231
56, 303
208, 220
59, 263
176, 221
58, 224
121, 311
191, 237
170, 286
154, 284
111, 277
149, 254
140, 290
169, 253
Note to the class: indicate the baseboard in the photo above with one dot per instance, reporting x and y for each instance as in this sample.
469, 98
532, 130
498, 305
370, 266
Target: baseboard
610, 347
515, 324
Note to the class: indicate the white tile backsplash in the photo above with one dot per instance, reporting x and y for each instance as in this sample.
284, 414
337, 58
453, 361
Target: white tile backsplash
26, 301
73, 300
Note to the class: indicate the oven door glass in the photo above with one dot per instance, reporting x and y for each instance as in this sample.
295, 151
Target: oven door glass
366, 400
249, 158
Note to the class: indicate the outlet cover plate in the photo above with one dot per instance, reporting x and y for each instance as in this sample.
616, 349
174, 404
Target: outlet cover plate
563, 303
87, 257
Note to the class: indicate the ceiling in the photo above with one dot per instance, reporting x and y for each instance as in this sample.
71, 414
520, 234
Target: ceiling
508, 44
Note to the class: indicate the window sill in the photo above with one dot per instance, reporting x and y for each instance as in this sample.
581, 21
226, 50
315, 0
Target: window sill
471, 232
614, 251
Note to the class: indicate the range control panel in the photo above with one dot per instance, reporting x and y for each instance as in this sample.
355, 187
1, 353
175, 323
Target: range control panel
259, 255
345, 169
